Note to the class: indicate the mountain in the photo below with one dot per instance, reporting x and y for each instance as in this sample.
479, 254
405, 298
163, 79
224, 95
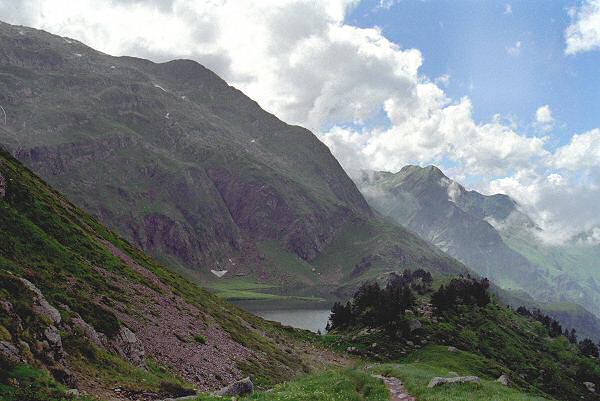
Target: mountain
452, 218
190, 169
488, 233
78, 301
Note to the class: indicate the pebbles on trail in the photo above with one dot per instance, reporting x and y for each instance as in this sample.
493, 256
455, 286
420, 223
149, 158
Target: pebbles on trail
396, 389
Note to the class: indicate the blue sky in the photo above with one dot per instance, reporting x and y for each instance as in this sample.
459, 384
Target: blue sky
468, 40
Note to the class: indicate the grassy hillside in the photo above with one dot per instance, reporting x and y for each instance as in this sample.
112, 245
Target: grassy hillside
489, 340
417, 370
85, 309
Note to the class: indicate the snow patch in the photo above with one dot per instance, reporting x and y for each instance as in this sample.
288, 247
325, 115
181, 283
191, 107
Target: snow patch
160, 87
219, 273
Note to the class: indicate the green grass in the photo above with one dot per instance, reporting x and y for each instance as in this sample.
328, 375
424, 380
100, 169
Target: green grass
247, 290
333, 385
34, 385
432, 361
108, 368
238, 284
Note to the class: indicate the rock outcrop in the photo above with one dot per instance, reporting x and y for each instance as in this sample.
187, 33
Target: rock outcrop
126, 344
40, 305
504, 380
240, 387
9, 354
438, 381
590, 386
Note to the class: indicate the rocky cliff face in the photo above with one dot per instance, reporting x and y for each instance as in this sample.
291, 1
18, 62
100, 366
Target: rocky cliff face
184, 165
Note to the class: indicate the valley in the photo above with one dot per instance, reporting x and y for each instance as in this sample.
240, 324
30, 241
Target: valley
163, 237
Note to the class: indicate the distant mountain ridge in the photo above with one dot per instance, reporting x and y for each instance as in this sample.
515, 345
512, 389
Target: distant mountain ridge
455, 220
487, 233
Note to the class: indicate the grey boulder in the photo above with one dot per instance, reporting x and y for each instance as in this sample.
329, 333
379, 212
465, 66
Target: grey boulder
240, 387
438, 381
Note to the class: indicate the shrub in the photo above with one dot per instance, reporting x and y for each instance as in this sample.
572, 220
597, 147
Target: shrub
200, 339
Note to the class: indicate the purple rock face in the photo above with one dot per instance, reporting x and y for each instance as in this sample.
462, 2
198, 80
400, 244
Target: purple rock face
2, 187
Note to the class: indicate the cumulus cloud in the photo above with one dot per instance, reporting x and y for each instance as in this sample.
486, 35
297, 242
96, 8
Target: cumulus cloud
543, 118
361, 93
582, 152
508, 8
432, 129
564, 205
584, 32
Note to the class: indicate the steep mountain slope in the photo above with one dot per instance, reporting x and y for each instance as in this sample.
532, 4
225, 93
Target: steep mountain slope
187, 167
97, 313
488, 233
168, 153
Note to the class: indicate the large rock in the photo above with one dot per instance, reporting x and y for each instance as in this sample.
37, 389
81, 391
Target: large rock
52, 335
40, 305
504, 380
438, 381
9, 354
88, 331
126, 344
414, 325
240, 387
590, 386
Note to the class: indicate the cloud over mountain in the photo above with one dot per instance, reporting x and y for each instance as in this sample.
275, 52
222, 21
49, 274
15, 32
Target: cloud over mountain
363, 94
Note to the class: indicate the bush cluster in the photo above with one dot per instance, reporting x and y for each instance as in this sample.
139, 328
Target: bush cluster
373, 306
461, 291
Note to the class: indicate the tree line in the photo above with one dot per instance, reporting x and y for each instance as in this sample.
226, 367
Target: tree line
586, 346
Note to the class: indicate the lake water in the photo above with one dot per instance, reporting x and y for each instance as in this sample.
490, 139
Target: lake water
308, 319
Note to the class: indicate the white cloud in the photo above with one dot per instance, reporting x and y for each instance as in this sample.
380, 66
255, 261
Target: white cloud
514, 50
583, 151
543, 115
584, 32
543, 118
564, 205
387, 4
442, 80
508, 9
